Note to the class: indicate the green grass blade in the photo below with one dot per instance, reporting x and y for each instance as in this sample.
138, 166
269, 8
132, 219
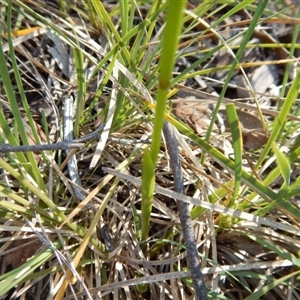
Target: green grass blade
18, 275
264, 191
281, 252
81, 89
294, 45
114, 34
237, 144
148, 182
137, 222
260, 9
30, 166
170, 41
271, 177
263, 291
281, 118
44, 198
251, 181
283, 164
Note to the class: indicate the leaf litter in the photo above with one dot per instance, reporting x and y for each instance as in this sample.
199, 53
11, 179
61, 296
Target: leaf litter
233, 250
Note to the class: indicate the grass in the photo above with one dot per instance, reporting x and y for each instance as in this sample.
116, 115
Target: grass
98, 238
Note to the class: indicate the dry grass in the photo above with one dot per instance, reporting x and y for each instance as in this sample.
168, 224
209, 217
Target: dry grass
247, 230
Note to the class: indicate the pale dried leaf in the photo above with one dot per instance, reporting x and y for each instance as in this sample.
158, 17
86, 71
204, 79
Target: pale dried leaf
59, 53
263, 77
110, 115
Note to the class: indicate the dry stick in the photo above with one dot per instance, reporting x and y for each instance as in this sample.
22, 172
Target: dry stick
184, 215
45, 147
65, 145
68, 135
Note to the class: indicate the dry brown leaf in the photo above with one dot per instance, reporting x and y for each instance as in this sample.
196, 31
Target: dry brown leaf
20, 252
254, 139
196, 115
253, 133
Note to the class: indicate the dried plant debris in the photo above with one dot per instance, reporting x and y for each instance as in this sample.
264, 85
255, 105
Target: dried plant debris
234, 264
18, 252
254, 135
198, 117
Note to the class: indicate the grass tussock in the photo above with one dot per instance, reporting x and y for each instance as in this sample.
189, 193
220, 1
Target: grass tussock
98, 218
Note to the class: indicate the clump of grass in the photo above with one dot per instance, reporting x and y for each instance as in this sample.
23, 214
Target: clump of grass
106, 56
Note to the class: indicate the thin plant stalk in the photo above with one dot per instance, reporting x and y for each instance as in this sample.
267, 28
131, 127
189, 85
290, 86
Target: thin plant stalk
170, 41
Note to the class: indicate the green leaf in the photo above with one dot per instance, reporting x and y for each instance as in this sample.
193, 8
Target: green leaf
237, 143
20, 274
170, 41
263, 291
283, 164
148, 183
81, 90
282, 117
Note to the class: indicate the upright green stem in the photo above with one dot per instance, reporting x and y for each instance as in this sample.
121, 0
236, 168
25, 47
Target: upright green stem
170, 41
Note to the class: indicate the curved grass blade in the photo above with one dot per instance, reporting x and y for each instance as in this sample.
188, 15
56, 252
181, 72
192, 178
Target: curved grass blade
257, 186
263, 291
86, 239
259, 11
43, 197
18, 275
281, 118
284, 166
30, 166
